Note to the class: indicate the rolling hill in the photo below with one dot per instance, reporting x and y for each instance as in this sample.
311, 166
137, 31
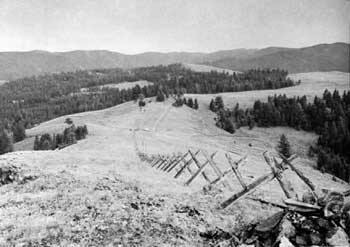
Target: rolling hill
325, 57
97, 190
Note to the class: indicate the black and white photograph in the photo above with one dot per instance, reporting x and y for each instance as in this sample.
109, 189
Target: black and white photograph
146, 123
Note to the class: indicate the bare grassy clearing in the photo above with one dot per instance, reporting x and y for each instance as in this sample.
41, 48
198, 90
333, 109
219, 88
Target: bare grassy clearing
313, 83
208, 68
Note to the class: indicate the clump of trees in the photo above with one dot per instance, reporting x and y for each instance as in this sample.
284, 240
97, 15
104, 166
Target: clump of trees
223, 120
216, 104
328, 116
70, 136
191, 103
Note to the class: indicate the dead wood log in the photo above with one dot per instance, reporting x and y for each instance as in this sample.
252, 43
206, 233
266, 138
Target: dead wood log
294, 203
275, 204
201, 168
299, 173
187, 163
221, 177
250, 188
277, 170
212, 163
234, 167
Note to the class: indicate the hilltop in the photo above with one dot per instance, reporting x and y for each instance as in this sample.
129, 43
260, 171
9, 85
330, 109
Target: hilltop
97, 189
325, 57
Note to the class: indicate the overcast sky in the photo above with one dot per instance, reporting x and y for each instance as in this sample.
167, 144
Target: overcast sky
133, 26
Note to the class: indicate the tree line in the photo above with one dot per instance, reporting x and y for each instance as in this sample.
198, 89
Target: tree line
68, 137
26, 102
328, 116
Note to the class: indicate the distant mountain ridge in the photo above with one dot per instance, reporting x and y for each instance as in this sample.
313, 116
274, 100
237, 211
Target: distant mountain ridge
324, 57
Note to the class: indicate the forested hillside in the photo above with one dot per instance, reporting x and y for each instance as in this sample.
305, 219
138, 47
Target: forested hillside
324, 57
328, 116
29, 101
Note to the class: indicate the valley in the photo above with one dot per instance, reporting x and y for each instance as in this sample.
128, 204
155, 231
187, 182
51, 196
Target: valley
128, 123
87, 188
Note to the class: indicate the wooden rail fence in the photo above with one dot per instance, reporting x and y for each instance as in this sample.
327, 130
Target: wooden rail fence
177, 165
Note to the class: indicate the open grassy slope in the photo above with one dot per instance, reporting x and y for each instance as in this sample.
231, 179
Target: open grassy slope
313, 83
122, 85
126, 84
98, 192
207, 68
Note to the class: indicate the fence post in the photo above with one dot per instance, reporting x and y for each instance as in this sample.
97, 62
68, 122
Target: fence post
187, 163
299, 173
277, 172
234, 167
200, 169
198, 165
177, 162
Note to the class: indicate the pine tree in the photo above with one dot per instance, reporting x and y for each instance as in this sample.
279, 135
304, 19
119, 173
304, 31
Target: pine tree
36, 143
195, 104
229, 126
68, 121
212, 106
160, 96
251, 122
284, 146
19, 132
45, 142
219, 103
190, 102
5, 142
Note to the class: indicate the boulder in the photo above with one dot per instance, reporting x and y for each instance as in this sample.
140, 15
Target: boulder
300, 240
323, 224
309, 198
315, 238
270, 223
285, 242
286, 229
338, 238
